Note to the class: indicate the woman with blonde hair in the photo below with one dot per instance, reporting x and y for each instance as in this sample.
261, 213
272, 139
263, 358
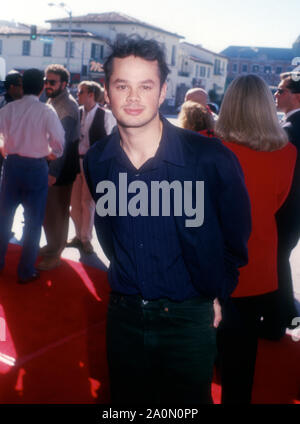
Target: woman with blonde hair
248, 126
196, 117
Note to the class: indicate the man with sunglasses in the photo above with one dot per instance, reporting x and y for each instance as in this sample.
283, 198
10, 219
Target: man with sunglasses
287, 98
13, 88
62, 172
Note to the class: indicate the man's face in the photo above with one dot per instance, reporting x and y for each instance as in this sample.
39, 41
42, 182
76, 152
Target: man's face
84, 97
16, 90
134, 93
53, 85
285, 100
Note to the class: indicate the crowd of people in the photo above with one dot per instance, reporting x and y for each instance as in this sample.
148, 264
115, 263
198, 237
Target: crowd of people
183, 298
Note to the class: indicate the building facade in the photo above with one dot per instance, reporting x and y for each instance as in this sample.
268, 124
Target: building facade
199, 67
109, 26
21, 52
91, 35
266, 62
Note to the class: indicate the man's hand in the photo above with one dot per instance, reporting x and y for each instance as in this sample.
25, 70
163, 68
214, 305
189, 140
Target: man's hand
218, 313
51, 180
51, 156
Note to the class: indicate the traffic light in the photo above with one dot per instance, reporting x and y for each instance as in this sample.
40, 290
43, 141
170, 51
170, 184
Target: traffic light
33, 32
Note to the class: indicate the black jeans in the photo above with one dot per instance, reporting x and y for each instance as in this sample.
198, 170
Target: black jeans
160, 352
237, 338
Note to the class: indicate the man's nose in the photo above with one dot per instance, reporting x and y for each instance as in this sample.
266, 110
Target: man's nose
133, 94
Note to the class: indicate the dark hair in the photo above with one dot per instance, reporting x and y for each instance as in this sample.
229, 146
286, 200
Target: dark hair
59, 70
135, 45
33, 81
293, 79
12, 78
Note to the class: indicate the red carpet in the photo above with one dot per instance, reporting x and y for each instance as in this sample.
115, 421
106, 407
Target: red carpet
54, 348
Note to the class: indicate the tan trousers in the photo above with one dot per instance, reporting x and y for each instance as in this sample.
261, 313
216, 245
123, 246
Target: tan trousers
56, 222
82, 208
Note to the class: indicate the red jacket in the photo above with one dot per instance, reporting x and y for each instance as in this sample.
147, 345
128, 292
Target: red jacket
268, 177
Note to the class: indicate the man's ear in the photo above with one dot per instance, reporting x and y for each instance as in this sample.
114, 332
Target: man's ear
64, 84
298, 98
106, 96
163, 93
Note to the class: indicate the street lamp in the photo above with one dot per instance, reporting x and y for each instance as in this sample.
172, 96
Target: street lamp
69, 12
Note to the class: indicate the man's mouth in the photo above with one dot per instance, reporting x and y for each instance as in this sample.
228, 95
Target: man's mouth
134, 111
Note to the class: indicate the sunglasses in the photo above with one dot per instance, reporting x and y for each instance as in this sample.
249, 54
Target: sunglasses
280, 90
50, 82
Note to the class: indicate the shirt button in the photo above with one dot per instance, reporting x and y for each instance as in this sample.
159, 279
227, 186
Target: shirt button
136, 175
141, 245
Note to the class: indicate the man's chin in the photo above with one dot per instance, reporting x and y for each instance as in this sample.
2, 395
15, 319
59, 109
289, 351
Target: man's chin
135, 122
52, 94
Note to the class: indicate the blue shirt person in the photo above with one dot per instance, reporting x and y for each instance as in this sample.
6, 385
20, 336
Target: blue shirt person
173, 218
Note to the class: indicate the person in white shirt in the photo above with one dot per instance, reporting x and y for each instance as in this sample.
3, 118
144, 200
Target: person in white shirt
32, 133
96, 123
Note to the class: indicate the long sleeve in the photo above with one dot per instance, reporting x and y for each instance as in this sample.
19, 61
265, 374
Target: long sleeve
235, 216
56, 133
69, 124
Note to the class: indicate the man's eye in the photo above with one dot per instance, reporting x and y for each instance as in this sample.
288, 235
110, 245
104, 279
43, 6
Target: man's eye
121, 87
146, 87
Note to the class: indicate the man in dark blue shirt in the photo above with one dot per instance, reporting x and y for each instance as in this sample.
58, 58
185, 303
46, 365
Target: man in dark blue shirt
173, 217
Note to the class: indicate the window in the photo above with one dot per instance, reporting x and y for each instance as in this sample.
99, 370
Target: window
244, 68
208, 72
97, 51
267, 69
26, 48
197, 71
72, 49
234, 67
173, 61
0, 46
278, 70
202, 71
84, 70
255, 68
217, 68
47, 49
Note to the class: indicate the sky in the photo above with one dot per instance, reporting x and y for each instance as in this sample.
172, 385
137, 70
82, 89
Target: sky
215, 24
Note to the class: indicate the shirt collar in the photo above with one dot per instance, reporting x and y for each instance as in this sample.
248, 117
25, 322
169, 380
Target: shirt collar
170, 147
291, 112
91, 111
31, 97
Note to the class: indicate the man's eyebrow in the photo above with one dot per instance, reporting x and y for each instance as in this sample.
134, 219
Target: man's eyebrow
119, 80
148, 81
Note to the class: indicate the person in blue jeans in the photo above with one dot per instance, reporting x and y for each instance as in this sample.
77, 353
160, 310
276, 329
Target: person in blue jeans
31, 134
